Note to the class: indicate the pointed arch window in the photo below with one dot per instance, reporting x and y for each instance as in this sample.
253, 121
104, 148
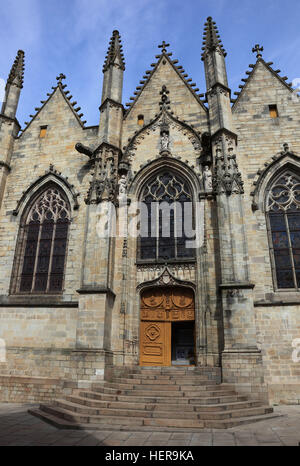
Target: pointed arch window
167, 220
283, 212
41, 254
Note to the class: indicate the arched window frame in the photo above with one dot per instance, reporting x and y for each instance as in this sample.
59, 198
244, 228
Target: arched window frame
27, 211
152, 176
282, 210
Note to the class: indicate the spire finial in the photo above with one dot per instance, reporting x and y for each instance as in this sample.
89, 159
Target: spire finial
60, 78
211, 38
115, 54
16, 75
163, 46
257, 49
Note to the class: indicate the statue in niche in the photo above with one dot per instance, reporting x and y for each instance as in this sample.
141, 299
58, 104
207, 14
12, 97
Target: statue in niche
207, 178
123, 186
164, 141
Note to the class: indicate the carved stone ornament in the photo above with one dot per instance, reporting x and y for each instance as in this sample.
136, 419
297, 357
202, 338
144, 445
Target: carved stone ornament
50, 175
227, 178
166, 122
207, 179
166, 279
103, 186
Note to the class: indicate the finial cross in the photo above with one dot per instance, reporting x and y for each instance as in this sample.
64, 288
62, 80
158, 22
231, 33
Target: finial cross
60, 78
257, 49
163, 46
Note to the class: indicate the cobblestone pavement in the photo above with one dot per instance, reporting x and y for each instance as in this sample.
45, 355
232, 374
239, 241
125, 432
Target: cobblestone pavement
17, 428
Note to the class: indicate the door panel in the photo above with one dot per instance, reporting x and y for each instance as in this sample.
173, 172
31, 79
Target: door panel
155, 347
159, 308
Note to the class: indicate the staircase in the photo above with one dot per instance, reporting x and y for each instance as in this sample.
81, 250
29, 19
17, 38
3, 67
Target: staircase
155, 399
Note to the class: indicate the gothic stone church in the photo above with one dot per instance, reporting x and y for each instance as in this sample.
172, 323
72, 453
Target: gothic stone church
78, 308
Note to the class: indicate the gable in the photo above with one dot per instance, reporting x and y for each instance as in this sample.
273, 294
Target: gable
263, 88
55, 113
183, 102
184, 143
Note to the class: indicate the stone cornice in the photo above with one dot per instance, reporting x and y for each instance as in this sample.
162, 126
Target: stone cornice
236, 285
25, 300
217, 85
113, 103
90, 289
225, 131
107, 145
12, 120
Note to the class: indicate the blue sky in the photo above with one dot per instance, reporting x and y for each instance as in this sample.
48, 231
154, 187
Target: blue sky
71, 36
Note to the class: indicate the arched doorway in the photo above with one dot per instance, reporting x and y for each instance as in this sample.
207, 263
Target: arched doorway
167, 328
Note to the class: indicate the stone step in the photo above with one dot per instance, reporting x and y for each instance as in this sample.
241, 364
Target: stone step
130, 404
177, 372
228, 406
78, 418
174, 387
200, 401
169, 382
237, 413
211, 400
156, 399
167, 393
125, 411
158, 376
162, 406
126, 386
227, 423
62, 423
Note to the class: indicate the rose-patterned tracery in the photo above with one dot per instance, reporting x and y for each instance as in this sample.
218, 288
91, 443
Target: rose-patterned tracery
44, 233
285, 194
283, 207
164, 236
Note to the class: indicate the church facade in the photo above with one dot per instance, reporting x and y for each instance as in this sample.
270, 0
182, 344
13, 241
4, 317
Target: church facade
87, 291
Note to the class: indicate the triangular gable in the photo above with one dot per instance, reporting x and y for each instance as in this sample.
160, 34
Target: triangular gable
251, 77
180, 73
67, 98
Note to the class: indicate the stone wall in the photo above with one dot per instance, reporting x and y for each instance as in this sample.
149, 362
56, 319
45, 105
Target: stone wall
277, 327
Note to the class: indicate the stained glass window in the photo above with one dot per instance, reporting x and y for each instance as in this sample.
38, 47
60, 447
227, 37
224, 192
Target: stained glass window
167, 221
44, 234
283, 207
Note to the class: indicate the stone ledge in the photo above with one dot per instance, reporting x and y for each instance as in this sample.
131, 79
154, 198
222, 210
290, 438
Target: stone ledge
279, 299
95, 290
236, 285
37, 381
35, 301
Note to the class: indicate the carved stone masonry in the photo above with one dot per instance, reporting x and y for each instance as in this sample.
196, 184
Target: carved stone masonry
104, 185
227, 178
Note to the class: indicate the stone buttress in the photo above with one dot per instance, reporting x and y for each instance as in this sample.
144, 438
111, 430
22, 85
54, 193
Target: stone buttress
241, 359
96, 295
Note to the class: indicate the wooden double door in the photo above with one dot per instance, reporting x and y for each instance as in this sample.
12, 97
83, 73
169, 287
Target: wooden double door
160, 308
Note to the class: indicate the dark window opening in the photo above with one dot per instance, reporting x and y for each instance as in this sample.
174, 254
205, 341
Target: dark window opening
283, 205
44, 244
141, 120
167, 220
273, 111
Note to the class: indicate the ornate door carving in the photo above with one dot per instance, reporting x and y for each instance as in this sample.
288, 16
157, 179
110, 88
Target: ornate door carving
155, 344
159, 308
